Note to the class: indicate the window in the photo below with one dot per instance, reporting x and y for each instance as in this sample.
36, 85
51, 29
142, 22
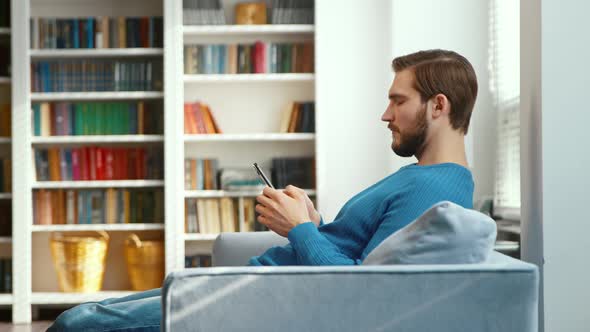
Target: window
504, 65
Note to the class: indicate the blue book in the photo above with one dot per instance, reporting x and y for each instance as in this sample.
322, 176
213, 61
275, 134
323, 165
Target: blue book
37, 118
222, 57
71, 118
76, 32
90, 32
68, 159
81, 207
151, 32
132, 116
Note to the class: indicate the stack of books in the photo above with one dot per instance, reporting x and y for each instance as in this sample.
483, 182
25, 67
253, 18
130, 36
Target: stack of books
292, 12
299, 172
260, 57
107, 118
298, 117
110, 206
96, 32
5, 275
211, 215
96, 75
198, 119
5, 121
5, 175
197, 261
98, 163
201, 174
202, 12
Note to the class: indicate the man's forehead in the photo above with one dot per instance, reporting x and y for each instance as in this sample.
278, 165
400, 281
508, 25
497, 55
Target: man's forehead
403, 84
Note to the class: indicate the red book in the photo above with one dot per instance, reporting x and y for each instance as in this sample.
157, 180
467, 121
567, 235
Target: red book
144, 26
76, 176
109, 164
92, 163
259, 57
100, 171
124, 170
197, 111
84, 164
142, 174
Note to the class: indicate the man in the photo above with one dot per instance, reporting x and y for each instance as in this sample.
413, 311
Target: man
430, 105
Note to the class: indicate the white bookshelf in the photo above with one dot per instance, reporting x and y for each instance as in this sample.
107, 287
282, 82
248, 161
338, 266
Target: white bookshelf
4, 31
74, 298
200, 237
6, 299
248, 78
96, 139
95, 96
97, 184
226, 193
98, 227
248, 30
5, 195
268, 137
5, 239
96, 53
5, 140
5, 80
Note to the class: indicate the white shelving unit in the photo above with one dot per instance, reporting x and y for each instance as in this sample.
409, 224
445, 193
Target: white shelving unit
224, 193
5, 80
249, 78
5, 140
6, 299
97, 227
96, 53
95, 96
269, 137
5, 196
4, 31
248, 30
97, 139
97, 184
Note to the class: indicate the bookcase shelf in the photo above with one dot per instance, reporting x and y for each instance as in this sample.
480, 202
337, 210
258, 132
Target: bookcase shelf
97, 227
5, 31
74, 298
250, 30
5, 140
97, 184
5, 195
6, 299
5, 239
96, 96
244, 78
226, 193
95, 53
5, 80
94, 139
200, 237
249, 137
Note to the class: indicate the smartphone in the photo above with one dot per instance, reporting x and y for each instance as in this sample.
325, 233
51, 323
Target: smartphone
262, 176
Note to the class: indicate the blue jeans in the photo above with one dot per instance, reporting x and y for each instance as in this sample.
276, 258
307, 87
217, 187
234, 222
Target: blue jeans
141, 312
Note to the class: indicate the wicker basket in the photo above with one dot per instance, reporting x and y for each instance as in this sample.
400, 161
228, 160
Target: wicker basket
145, 262
79, 260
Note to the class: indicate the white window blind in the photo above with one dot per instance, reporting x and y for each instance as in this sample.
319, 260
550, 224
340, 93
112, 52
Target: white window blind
504, 65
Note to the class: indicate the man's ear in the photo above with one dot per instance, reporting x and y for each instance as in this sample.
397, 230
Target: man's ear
441, 105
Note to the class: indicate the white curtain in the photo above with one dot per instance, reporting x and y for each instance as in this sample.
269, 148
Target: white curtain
504, 65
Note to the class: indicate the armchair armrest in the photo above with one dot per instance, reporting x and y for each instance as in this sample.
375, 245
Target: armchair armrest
236, 249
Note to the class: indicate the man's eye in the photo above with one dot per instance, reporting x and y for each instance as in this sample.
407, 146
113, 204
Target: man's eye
400, 102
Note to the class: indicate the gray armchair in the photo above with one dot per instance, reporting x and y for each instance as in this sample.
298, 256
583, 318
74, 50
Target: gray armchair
500, 295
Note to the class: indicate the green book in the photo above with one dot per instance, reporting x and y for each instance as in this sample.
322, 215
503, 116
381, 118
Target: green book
99, 116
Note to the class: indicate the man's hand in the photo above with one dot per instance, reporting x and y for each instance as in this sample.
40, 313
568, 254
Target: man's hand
313, 213
282, 211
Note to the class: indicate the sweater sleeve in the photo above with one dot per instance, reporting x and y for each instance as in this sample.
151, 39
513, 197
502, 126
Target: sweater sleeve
313, 248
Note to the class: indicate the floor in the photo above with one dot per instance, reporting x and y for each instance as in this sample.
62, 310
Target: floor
34, 327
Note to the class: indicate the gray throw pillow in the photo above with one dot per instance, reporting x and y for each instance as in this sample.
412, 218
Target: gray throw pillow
445, 234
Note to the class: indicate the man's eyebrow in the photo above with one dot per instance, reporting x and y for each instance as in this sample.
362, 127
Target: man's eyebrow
396, 96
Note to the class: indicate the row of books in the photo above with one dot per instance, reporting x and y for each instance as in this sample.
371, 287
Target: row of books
292, 12
298, 117
96, 75
6, 275
197, 261
5, 120
96, 32
110, 206
98, 163
4, 13
5, 175
200, 174
299, 172
198, 119
260, 57
211, 215
100, 118
202, 12
5, 217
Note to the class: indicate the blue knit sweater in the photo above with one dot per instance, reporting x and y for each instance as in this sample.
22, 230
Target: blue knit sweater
372, 215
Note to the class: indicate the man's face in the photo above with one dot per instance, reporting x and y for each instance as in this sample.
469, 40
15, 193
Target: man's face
406, 116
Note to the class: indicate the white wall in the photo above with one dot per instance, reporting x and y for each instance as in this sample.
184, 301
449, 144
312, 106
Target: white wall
558, 119
353, 56
461, 26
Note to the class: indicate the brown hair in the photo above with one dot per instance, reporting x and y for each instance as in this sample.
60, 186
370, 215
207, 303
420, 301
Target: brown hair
445, 72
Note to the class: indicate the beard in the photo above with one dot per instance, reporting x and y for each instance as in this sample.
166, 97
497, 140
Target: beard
411, 142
